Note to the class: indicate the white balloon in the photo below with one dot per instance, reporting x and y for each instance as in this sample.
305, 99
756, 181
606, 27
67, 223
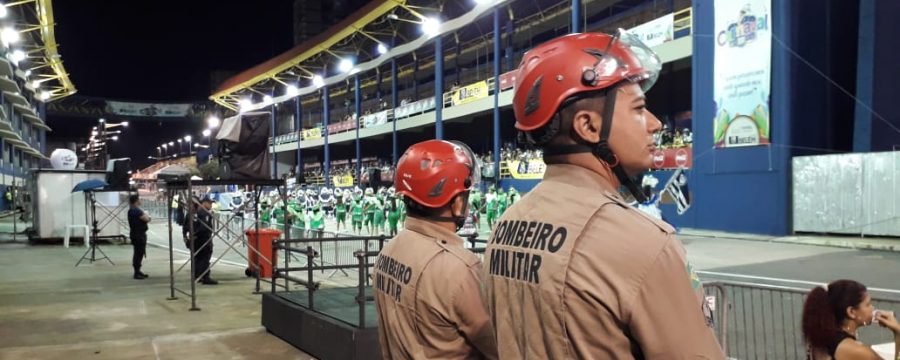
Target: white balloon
63, 159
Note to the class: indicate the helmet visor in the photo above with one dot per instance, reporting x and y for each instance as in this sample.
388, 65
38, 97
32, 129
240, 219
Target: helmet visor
474, 164
628, 57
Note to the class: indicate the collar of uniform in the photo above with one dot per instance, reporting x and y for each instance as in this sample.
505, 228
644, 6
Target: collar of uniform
431, 230
579, 177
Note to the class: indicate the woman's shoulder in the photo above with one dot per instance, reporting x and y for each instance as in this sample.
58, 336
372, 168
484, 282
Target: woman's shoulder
846, 347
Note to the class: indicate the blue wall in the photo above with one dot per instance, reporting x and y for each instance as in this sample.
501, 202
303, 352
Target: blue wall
877, 77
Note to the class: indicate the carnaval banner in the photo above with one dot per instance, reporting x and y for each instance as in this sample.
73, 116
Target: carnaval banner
531, 169
657, 31
342, 181
314, 133
742, 67
148, 110
470, 93
414, 108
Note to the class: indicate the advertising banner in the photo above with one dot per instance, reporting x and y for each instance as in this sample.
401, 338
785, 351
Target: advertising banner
147, 109
508, 80
375, 119
342, 181
680, 158
470, 93
414, 108
657, 31
341, 127
742, 68
310, 134
531, 169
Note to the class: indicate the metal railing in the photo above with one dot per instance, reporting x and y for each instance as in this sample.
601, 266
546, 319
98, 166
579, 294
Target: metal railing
756, 321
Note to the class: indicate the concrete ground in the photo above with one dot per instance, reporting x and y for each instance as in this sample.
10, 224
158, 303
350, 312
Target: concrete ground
50, 309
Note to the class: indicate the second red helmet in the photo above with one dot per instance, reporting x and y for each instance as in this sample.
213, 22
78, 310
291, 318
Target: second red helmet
433, 172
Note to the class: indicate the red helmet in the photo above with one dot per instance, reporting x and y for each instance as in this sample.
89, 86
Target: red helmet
432, 172
576, 63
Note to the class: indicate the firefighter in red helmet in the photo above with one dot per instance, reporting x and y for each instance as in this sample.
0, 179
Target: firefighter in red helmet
573, 271
427, 286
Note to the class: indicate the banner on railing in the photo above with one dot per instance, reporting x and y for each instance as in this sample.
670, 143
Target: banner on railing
414, 108
310, 134
341, 126
342, 180
508, 80
673, 158
530, 169
657, 31
375, 119
742, 63
470, 93
147, 109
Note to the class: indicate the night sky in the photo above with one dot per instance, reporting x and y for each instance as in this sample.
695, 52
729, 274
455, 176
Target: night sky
161, 51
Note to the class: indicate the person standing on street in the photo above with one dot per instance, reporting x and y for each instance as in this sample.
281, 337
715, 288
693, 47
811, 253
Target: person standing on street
137, 231
427, 286
574, 272
202, 240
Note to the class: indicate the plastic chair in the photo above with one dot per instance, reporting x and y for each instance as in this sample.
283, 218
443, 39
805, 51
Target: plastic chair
87, 234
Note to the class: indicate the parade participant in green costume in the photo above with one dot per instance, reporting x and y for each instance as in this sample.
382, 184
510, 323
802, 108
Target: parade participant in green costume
513, 196
278, 213
356, 211
379, 222
298, 218
491, 201
502, 202
393, 207
340, 208
265, 213
369, 207
475, 207
317, 221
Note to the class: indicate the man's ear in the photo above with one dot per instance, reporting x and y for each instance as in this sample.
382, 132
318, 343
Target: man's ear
586, 126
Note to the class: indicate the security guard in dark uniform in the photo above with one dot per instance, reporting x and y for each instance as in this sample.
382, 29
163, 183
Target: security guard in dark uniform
203, 244
137, 231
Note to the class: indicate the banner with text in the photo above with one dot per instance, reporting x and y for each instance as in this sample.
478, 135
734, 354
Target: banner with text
742, 68
657, 31
470, 93
310, 134
147, 109
531, 169
341, 127
342, 181
414, 108
374, 119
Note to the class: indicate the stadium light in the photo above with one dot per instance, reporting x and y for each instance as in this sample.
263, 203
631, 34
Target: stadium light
187, 138
484, 1
9, 35
45, 95
431, 26
171, 143
36, 84
124, 123
318, 81
207, 132
245, 104
292, 90
345, 65
179, 141
393, 16
3, 11
382, 49
213, 122
28, 73
267, 100
115, 137
16, 56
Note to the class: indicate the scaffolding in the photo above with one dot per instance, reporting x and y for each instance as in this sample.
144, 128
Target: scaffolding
220, 229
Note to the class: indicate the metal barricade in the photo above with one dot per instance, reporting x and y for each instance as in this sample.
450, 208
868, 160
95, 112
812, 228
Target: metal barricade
758, 321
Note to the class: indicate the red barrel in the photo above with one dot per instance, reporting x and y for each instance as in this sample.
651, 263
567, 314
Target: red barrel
259, 251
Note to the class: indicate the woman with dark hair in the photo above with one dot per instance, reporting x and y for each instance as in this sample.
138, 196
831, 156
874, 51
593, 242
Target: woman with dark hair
831, 317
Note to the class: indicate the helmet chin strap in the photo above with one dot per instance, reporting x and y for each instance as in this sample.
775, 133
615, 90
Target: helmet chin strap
458, 220
601, 149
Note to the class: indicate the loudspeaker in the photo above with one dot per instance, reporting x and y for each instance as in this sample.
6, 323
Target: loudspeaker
118, 178
248, 157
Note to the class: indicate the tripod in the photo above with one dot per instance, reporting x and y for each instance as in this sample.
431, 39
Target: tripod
95, 232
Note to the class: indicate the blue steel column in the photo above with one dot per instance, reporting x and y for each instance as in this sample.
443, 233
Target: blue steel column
298, 124
394, 106
510, 51
326, 165
576, 16
497, 63
438, 87
358, 108
415, 77
274, 124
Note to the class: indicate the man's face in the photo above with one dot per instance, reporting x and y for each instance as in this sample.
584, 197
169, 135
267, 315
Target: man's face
633, 126
137, 203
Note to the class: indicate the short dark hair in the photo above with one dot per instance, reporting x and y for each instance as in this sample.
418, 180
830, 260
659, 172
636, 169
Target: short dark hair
559, 128
133, 199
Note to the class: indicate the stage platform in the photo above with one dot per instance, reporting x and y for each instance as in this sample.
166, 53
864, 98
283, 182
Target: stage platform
331, 331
